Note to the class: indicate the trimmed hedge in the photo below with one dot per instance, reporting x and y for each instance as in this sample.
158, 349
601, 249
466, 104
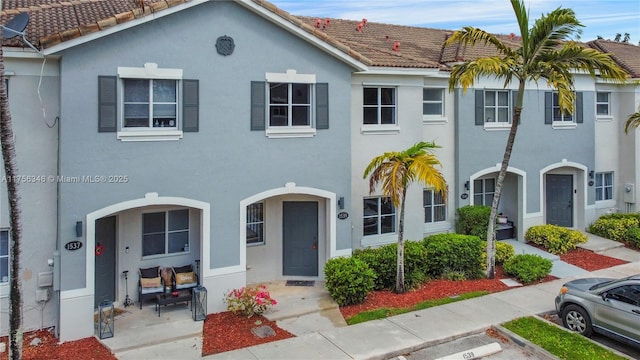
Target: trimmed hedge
614, 226
556, 239
528, 267
447, 253
633, 236
383, 261
473, 220
349, 280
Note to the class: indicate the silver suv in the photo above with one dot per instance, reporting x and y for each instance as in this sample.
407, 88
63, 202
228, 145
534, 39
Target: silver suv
607, 306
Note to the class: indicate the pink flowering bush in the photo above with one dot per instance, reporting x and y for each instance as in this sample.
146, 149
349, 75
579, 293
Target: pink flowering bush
249, 301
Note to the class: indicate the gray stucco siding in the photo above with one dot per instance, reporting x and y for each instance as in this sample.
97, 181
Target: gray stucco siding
536, 145
224, 162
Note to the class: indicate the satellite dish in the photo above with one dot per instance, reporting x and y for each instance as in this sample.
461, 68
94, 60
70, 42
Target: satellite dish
15, 26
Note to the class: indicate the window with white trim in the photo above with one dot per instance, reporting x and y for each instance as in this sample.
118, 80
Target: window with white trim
604, 186
4, 256
255, 223
483, 191
379, 106
603, 103
435, 209
165, 232
433, 102
289, 105
379, 216
150, 103
558, 115
497, 108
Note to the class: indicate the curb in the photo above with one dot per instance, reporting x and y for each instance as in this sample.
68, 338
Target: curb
524, 344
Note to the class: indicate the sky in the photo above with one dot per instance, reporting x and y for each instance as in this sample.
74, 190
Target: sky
603, 18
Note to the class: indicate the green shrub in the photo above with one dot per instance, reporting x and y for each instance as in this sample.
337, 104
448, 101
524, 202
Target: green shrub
613, 226
349, 280
528, 267
618, 216
383, 261
504, 252
454, 253
556, 239
633, 236
473, 220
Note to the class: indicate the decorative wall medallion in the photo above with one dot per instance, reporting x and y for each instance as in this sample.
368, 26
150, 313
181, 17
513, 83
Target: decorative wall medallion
225, 45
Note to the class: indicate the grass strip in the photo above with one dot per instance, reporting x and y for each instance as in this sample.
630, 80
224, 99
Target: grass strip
384, 312
563, 344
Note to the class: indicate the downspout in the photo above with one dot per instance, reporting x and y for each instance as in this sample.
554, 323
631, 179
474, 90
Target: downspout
56, 254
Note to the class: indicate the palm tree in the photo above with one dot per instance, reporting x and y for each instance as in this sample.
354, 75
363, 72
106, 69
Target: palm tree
395, 171
546, 52
10, 171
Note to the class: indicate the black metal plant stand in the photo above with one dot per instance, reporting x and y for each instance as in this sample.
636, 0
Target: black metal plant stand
127, 300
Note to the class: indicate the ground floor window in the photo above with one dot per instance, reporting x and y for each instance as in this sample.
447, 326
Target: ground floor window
435, 209
165, 232
4, 256
483, 190
604, 186
255, 223
379, 216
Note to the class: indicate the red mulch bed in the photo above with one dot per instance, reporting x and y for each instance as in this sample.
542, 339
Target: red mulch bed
589, 260
225, 331
85, 349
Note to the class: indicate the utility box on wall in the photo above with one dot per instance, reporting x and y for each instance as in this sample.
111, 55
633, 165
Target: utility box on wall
629, 195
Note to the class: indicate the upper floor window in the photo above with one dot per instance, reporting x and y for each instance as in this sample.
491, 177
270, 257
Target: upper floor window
255, 223
150, 103
603, 103
289, 104
483, 190
165, 232
379, 106
554, 116
435, 209
496, 107
4, 256
433, 102
604, 186
379, 216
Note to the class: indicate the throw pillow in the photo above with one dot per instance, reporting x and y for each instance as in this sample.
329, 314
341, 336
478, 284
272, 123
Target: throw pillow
182, 269
149, 272
150, 282
185, 278
165, 273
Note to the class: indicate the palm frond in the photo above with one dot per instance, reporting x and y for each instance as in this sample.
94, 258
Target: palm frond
465, 74
470, 36
632, 122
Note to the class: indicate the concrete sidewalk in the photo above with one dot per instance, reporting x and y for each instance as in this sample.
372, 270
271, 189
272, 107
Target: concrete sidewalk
381, 339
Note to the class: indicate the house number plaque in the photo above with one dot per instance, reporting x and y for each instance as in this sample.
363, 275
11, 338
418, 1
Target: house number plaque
343, 215
73, 245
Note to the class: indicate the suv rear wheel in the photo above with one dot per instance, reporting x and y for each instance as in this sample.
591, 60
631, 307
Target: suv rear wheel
576, 319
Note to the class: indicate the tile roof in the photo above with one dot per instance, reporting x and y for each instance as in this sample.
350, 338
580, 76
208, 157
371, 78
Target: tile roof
626, 55
374, 44
54, 21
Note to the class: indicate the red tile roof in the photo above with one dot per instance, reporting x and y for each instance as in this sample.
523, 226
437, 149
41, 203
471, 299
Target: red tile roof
626, 55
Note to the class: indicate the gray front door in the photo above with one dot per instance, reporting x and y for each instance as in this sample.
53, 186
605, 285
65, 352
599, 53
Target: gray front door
105, 279
560, 200
300, 238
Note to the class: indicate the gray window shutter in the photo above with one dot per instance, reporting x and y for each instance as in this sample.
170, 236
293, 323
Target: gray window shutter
190, 105
107, 104
579, 108
514, 99
322, 106
548, 107
258, 98
479, 107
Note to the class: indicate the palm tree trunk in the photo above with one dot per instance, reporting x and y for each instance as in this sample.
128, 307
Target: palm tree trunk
10, 170
491, 234
400, 254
